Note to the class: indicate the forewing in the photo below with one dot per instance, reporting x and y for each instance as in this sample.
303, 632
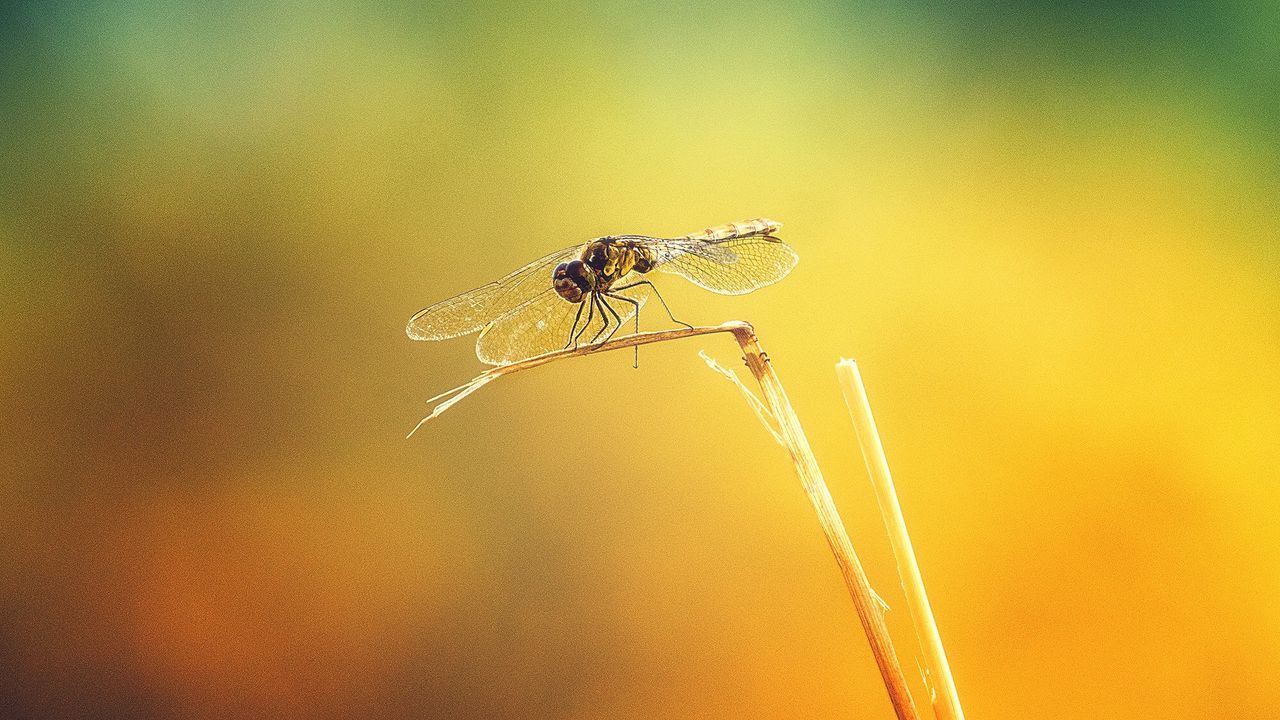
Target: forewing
546, 323
466, 313
732, 267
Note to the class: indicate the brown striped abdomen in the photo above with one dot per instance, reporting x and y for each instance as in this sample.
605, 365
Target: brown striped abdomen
732, 231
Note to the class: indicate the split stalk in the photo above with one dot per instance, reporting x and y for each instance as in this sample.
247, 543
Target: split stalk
870, 611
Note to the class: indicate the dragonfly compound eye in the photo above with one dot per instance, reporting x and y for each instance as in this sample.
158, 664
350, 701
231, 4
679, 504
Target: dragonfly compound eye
571, 280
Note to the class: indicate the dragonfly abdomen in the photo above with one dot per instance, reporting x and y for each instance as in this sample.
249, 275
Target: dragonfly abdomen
733, 231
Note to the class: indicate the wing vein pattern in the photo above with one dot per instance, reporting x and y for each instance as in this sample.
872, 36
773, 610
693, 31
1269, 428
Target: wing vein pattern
730, 267
466, 313
546, 322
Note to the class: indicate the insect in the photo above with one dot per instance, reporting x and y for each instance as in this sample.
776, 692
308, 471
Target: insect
584, 294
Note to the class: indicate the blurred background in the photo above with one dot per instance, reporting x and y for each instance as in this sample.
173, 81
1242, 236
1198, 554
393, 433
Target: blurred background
1047, 234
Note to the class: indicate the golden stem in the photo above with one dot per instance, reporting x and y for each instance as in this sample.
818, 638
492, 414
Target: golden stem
449, 397
870, 612
942, 688
637, 339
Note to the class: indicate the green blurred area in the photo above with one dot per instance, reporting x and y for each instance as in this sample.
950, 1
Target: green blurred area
1047, 233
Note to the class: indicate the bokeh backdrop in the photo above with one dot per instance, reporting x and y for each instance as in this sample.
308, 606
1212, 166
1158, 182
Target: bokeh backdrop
1048, 234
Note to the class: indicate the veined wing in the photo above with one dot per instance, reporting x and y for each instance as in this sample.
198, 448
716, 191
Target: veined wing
733, 266
547, 322
466, 313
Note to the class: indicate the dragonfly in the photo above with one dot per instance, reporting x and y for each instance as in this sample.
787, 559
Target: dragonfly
584, 294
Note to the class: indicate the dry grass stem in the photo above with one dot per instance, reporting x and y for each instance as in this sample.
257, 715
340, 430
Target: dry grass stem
762, 413
870, 608
636, 340
776, 411
937, 672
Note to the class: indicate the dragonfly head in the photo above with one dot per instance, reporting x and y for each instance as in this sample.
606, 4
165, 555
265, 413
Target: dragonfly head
572, 280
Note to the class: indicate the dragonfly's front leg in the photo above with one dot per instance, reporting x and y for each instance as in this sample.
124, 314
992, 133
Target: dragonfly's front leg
595, 298
634, 303
577, 316
590, 314
636, 362
604, 302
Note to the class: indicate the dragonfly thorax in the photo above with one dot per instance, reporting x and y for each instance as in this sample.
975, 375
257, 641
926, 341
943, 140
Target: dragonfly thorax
603, 262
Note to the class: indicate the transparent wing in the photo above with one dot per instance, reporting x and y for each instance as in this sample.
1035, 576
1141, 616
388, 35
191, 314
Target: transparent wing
466, 313
548, 322
731, 267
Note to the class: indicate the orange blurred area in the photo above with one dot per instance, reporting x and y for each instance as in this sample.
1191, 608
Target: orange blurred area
1048, 237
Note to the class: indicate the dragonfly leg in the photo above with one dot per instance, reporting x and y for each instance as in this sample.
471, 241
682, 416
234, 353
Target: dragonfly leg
595, 298
654, 288
572, 329
635, 363
634, 303
591, 311
604, 300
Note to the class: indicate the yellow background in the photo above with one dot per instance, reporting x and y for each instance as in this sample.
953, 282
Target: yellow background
1049, 237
